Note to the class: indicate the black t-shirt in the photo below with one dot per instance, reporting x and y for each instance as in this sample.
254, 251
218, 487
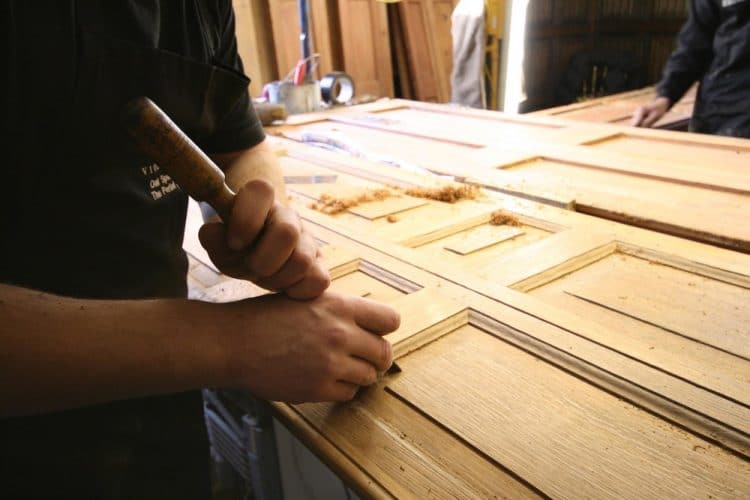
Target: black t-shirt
84, 215
714, 47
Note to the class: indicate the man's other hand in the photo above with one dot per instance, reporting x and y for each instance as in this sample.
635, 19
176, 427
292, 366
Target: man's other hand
649, 114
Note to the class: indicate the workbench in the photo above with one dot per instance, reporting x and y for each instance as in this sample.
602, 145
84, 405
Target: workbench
544, 351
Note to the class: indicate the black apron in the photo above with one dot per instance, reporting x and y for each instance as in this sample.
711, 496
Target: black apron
113, 225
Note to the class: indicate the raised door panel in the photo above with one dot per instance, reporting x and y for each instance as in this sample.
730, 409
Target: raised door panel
584, 442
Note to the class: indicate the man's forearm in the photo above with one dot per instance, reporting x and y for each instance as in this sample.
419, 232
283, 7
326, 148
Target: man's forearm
258, 162
58, 352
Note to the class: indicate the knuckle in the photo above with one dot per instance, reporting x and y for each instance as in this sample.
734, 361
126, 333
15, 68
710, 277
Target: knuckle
302, 261
336, 338
288, 232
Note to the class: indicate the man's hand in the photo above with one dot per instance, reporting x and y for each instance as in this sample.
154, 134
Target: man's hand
321, 350
266, 243
648, 115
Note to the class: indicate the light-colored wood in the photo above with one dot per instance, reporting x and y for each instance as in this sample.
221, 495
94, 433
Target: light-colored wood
619, 108
507, 403
656, 179
366, 46
363, 285
408, 453
554, 256
391, 206
472, 241
427, 30
709, 311
255, 42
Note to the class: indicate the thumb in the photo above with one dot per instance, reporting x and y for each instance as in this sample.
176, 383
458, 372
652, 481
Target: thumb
213, 236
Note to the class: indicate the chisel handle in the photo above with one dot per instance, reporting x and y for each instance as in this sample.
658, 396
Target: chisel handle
162, 141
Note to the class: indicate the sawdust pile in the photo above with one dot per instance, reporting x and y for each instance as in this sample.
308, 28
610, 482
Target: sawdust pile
448, 194
503, 218
331, 205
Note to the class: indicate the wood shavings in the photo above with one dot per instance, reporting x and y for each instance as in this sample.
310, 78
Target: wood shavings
503, 218
449, 194
332, 205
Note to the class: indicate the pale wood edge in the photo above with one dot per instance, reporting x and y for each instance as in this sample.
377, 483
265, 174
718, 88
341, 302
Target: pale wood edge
344, 467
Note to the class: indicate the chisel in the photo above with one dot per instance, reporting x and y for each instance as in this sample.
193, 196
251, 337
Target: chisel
162, 141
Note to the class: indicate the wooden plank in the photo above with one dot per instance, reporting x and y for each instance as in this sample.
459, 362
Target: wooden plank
285, 23
586, 442
427, 30
437, 462
255, 42
366, 46
338, 260
712, 155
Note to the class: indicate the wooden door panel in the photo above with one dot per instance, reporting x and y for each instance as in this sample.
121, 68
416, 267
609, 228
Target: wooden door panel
505, 401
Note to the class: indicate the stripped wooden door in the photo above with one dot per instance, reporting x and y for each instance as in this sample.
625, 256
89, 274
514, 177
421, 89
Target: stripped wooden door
680, 307
489, 404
